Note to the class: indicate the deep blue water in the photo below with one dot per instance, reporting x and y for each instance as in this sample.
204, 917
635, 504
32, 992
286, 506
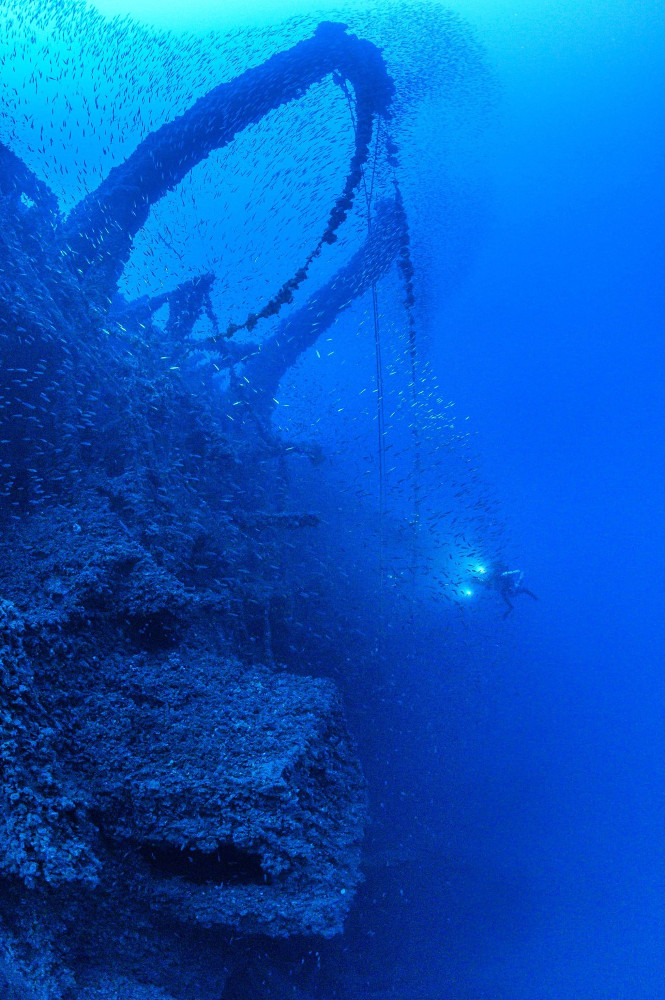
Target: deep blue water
522, 761
555, 347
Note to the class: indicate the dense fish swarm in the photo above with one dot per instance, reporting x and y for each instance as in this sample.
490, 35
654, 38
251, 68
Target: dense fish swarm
210, 272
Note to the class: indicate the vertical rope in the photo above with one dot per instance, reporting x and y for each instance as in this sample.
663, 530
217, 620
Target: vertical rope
380, 418
380, 412
405, 265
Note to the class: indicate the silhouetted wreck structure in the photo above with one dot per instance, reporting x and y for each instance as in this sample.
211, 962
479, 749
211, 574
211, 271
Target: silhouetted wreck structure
165, 787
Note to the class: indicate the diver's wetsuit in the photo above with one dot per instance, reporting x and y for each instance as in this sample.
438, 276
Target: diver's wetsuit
509, 584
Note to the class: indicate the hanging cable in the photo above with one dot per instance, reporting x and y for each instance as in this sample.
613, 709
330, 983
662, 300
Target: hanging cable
382, 452
405, 265
380, 412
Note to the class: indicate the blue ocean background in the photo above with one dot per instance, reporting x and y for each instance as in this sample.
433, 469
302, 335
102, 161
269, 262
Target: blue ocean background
517, 766
557, 351
555, 347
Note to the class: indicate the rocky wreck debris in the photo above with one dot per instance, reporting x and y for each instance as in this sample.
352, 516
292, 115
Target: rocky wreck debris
176, 805
156, 774
150, 774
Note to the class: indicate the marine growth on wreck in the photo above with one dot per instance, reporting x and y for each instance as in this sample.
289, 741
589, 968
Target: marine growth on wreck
212, 525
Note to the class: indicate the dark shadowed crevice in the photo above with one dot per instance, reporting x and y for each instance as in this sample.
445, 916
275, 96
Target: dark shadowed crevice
227, 865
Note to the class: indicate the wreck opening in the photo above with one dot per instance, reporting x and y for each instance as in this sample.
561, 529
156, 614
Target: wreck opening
225, 865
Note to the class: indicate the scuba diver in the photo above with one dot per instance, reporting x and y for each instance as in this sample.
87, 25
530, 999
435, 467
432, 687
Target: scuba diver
508, 583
